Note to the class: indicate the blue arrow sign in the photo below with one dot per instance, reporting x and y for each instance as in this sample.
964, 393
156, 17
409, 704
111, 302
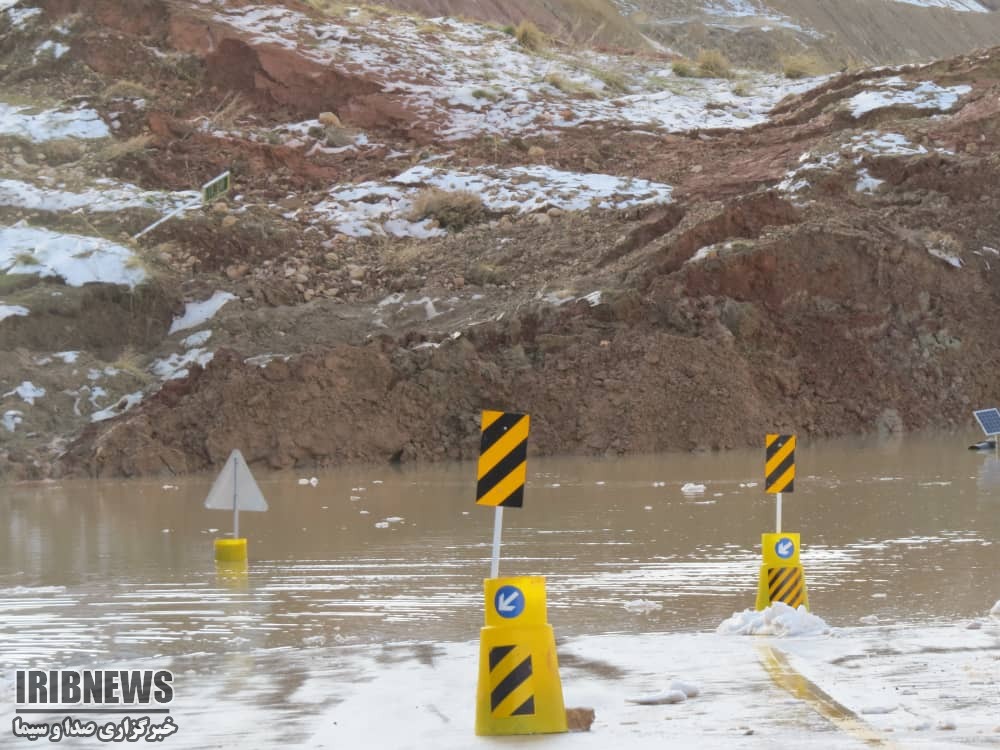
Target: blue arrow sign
785, 548
509, 602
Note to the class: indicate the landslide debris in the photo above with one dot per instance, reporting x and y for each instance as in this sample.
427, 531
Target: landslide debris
678, 265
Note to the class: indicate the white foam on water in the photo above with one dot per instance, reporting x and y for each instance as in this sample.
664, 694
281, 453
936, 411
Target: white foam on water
779, 619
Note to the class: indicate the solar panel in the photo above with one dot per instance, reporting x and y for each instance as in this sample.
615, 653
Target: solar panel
989, 420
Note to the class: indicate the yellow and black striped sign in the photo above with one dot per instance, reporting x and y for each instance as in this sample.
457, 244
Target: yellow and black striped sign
511, 691
503, 459
779, 469
786, 585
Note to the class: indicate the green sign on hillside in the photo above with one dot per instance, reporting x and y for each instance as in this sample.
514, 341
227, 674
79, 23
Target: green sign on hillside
216, 188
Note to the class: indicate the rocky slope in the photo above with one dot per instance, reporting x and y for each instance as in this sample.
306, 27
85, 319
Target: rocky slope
645, 262
766, 34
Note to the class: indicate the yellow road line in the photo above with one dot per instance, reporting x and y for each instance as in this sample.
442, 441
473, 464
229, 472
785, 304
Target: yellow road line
797, 685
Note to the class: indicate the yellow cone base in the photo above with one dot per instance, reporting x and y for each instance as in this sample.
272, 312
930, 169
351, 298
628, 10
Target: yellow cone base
519, 690
231, 550
781, 577
786, 585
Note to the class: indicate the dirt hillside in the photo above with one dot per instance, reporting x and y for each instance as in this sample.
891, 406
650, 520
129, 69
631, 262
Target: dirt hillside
428, 219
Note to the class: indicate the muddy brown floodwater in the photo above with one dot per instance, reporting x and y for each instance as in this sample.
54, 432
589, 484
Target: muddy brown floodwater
905, 530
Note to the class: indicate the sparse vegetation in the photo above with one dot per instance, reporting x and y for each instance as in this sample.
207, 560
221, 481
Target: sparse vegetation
741, 89
713, 64
509, 30
129, 361
530, 36
566, 85
233, 108
801, 66
127, 90
612, 79
601, 22
338, 137
25, 259
485, 94
62, 151
683, 68
452, 210
120, 149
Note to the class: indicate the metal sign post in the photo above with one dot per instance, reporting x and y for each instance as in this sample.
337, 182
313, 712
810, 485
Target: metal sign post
214, 188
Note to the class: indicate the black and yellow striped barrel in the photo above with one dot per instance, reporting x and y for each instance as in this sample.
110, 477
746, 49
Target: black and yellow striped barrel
779, 467
503, 459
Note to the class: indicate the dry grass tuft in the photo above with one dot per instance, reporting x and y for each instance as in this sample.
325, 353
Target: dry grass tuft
566, 85
614, 80
129, 361
62, 150
529, 36
802, 66
120, 149
233, 108
452, 210
127, 90
713, 64
683, 69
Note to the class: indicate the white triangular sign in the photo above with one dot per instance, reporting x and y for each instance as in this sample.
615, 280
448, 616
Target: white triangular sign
235, 488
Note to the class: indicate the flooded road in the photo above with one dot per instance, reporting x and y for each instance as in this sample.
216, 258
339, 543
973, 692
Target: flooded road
91, 572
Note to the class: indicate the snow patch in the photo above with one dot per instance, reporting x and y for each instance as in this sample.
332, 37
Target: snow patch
197, 313
196, 339
51, 124
19, 17
949, 258
27, 392
961, 6
176, 366
779, 619
895, 91
48, 48
77, 259
11, 419
642, 606
9, 311
866, 183
119, 407
466, 79
369, 208
106, 196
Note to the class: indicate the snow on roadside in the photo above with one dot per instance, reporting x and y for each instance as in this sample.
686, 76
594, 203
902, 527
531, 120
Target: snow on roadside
384, 208
197, 313
105, 196
51, 124
996, 610
779, 619
77, 259
895, 91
